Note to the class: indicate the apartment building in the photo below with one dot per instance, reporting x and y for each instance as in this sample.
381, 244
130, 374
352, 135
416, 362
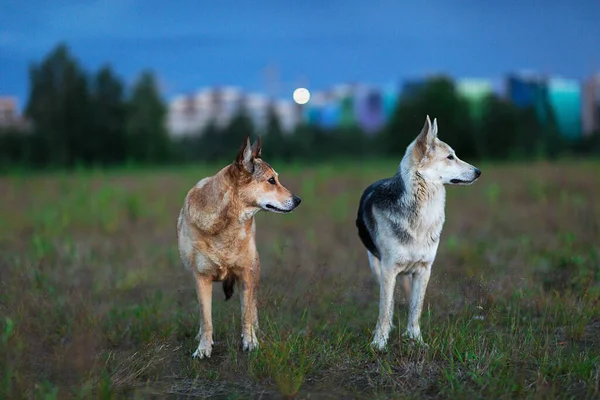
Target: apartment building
590, 105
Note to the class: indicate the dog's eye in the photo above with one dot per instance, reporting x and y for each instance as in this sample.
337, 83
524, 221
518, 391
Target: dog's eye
450, 157
271, 181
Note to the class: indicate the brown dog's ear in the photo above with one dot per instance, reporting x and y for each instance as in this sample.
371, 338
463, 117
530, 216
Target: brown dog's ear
244, 158
257, 148
426, 139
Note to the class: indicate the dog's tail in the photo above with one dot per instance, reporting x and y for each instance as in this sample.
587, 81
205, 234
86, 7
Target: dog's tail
228, 285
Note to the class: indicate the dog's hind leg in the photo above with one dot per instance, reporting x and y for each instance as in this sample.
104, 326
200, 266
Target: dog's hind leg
420, 279
375, 265
387, 283
204, 291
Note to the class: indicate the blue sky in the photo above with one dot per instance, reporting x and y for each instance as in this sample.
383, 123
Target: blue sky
191, 44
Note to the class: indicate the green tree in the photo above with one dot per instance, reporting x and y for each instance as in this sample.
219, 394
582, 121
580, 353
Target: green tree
438, 99
351, 141
147, 137
588, 145
275, 142
499, 128
239, 126
310, 142
211, 144
15, 146
59, 107
108, 113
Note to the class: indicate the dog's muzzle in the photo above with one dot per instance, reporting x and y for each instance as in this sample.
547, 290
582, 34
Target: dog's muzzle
297, 201
477, 174
289, 205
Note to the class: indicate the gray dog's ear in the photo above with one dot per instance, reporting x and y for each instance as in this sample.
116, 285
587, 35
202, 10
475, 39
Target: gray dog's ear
244, 158
426, 139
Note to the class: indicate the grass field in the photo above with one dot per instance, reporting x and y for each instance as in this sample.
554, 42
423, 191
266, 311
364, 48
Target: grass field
94, 302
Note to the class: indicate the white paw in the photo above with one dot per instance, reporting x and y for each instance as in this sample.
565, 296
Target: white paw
203, 351
415, 338
379, 342
249, 342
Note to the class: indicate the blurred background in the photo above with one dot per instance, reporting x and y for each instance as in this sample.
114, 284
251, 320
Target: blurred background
124, 81
110, 111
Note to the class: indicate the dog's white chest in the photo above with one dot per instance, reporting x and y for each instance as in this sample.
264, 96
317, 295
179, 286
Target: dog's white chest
408, 242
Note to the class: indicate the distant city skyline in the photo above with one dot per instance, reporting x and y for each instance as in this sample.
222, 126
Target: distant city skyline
574, 104
202, 43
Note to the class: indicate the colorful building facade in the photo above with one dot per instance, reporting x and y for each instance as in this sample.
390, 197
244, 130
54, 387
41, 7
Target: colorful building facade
564, 98
369, 110
590, 106
529, 91
574, 108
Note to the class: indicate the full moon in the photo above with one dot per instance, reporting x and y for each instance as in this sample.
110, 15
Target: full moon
301, 95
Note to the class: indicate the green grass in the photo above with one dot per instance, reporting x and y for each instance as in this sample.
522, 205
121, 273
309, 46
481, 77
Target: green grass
94, 302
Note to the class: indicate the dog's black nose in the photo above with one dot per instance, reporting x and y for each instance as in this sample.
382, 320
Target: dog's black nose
477, 173
297, 200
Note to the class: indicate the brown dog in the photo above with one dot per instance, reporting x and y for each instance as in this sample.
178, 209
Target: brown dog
215, 235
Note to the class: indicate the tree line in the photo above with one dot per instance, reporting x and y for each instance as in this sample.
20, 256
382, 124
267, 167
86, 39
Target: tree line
83, 119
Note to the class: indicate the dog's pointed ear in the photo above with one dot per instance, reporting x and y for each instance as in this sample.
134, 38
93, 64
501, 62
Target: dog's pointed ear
425, 140
435, 128
257, 148
244, 158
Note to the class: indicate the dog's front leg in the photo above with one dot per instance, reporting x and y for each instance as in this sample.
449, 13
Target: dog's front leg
249, 286
386, 305
420, 279
204, 291
256, 278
